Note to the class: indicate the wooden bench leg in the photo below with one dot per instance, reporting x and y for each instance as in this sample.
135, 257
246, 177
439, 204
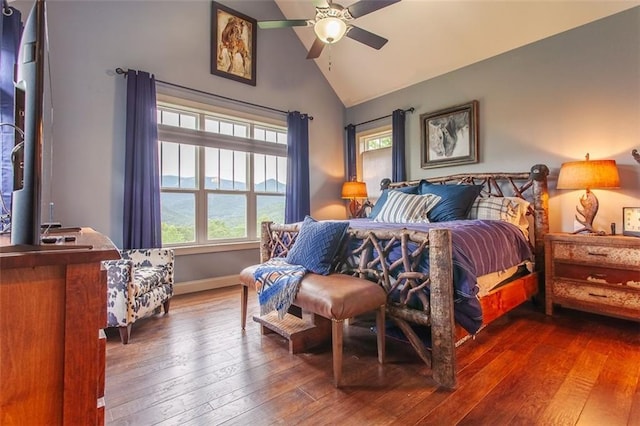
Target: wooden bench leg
336, 348
380, 325
244, 296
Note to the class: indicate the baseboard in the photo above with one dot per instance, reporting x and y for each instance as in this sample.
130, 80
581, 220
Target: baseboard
206, 284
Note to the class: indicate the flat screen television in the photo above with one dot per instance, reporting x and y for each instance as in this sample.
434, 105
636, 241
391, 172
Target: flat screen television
25, 204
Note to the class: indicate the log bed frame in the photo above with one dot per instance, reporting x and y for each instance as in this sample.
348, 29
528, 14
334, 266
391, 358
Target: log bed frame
438, 310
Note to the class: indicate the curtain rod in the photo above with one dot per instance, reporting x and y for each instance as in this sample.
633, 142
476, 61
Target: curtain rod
380, 118
124, 72
6, 10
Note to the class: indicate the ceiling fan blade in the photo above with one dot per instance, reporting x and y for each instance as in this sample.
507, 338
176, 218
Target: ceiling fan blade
283, 24
364, 7
316, 49
366, 37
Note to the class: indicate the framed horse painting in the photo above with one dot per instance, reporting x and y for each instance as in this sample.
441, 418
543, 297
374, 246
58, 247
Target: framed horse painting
449, 136
233, 44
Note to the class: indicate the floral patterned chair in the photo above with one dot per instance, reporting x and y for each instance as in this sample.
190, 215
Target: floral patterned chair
137, 285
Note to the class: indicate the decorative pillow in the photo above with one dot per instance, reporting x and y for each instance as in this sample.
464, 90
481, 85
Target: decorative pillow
456, 200
508, 209
383, 197
317, 244
406, 208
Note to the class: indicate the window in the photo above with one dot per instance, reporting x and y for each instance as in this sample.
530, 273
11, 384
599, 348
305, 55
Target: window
375, 159
221, 176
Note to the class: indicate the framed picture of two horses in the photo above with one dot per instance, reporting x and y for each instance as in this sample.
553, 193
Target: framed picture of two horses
449, 136
233, 44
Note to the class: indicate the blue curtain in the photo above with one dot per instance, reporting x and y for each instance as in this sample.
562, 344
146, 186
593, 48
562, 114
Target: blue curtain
141, 228
398, 168
10, 28
351, 152
297, 202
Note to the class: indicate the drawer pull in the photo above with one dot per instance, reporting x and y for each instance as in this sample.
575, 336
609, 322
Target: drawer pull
597, 254
598, 295
597, 276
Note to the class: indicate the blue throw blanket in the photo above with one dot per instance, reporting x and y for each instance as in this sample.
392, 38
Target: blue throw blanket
277, 284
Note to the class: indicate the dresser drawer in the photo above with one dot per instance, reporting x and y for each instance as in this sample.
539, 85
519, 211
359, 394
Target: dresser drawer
614, 296
590, 253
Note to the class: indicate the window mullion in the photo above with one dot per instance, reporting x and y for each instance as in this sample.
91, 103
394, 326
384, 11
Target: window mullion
201, 199
252, 208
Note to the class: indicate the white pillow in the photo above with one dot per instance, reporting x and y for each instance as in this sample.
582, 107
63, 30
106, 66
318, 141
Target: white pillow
406, 208
509, 209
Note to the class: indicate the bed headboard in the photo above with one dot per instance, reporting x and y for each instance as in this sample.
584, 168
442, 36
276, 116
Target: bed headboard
531, 186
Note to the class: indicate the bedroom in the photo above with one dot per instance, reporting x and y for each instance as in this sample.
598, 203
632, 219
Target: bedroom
543, 103
536, 106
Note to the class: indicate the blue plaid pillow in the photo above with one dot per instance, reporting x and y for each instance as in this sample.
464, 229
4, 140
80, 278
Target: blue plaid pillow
317, 244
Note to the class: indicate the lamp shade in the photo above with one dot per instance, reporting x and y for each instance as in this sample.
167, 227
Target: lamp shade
589, 175
330, 29
352, 190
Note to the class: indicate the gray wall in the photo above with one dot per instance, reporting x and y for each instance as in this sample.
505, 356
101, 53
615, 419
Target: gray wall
171, 39
548, 102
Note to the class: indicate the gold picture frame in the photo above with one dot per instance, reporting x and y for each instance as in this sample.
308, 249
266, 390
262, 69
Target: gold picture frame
233, 44
450, 136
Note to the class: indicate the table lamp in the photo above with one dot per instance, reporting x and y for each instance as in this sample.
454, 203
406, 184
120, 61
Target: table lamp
353, 190
588, 174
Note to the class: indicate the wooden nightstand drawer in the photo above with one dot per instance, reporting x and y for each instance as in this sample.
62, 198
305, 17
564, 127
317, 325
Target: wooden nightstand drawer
590, 253
599, 274
599, 294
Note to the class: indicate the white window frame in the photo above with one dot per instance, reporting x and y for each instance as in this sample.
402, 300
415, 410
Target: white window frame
202, 139
373, 188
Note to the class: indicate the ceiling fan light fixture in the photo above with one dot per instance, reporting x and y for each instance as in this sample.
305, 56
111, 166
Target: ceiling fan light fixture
330, 30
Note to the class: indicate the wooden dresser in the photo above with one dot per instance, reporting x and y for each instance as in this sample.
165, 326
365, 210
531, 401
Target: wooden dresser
52, 347
599, 274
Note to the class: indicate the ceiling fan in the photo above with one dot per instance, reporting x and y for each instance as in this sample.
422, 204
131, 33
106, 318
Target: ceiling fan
333, 21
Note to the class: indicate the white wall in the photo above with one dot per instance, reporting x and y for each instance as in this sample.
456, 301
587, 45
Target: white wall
549, 102
171, 39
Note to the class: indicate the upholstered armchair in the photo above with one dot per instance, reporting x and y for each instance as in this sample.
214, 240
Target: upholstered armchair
137, 285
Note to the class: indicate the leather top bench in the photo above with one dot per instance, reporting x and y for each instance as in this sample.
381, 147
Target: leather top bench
328, 299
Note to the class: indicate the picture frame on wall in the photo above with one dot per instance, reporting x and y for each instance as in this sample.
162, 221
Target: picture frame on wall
449, 137
233, 44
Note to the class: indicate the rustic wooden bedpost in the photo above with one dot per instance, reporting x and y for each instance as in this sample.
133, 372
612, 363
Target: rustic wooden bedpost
443, 352
539, 174
265, 239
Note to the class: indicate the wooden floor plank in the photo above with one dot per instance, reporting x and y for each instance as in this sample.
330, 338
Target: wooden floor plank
611, 397
568, 402
196, 367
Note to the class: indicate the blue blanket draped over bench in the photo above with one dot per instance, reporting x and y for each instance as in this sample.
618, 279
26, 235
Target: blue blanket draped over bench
277, 284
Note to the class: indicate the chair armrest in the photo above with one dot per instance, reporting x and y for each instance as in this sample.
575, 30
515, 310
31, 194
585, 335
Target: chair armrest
119, 276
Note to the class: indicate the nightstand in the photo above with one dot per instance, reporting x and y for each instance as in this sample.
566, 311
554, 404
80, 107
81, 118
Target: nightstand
598, 274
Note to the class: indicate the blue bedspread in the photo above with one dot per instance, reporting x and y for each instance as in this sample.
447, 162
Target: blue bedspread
479, 247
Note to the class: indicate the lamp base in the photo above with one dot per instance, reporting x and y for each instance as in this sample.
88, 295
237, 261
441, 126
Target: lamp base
585, 217
354, 208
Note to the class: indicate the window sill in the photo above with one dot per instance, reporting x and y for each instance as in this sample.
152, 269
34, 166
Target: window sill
215, 248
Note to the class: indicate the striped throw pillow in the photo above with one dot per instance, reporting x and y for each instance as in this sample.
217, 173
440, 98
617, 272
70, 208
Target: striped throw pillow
406, 208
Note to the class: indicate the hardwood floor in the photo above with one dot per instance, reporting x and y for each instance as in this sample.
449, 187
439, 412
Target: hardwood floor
196, 367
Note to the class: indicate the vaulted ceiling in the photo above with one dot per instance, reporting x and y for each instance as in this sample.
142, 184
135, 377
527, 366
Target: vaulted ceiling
429, 38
